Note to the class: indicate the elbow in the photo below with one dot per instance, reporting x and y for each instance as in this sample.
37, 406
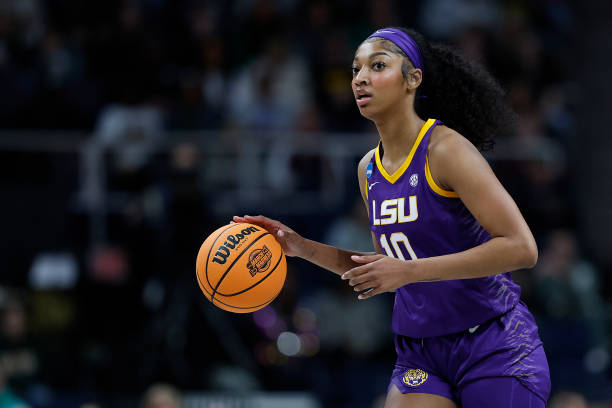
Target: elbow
529, 253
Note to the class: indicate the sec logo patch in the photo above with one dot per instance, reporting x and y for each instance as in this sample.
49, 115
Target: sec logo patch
414, 180
414, 377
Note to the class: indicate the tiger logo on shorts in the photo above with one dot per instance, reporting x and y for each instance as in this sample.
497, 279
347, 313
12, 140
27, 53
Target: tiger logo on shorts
414, 377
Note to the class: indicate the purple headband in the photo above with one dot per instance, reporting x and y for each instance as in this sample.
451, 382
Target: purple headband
405, 42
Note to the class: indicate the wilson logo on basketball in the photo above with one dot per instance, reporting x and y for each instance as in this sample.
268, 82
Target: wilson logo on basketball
231, 242
259, 260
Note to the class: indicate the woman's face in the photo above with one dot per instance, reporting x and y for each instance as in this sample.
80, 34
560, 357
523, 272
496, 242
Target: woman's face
378, 84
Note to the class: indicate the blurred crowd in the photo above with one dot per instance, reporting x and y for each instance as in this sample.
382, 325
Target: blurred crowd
93, 322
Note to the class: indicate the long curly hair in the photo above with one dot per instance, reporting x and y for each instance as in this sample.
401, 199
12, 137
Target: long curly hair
459, 92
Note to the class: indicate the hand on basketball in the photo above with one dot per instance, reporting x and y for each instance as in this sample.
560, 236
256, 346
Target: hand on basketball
289, 239
379, 273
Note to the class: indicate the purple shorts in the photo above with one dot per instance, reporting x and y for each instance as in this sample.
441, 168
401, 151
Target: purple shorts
500, 357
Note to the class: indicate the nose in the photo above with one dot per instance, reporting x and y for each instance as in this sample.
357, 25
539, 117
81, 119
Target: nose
361, 78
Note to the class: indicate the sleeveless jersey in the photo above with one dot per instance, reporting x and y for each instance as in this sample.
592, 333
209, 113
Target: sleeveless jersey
411, 218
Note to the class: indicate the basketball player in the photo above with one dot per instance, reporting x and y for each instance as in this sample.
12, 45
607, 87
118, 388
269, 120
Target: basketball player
446, 231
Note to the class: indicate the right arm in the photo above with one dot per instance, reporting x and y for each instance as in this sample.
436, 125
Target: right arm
363, 185
328, 257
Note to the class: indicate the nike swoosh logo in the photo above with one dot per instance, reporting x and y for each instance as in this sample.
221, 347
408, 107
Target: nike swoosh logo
372, 185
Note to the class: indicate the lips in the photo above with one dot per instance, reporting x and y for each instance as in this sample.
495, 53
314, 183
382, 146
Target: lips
362, 97
363, 100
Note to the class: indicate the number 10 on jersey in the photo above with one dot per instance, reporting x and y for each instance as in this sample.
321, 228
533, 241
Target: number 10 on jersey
395, 240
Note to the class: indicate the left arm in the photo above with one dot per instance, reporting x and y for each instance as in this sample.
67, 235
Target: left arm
456, 165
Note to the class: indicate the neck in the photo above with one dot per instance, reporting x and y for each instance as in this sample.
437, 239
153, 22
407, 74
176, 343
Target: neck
398, 132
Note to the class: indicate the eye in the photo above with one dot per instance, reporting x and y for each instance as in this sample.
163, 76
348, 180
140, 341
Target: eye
378, 66
354, 70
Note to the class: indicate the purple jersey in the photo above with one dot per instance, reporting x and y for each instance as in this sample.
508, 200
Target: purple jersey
412, 218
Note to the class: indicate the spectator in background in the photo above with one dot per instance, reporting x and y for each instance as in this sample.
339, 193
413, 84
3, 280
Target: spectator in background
269, 92
299, 162
18, 362
21, 30
190, 111
202, 89
567, 286
382, 13
161, 396
351, 230
557, 116
214, 65
533, 167
121, 158
472, 41
571, 314
129, 127
446, 18
334, 100
131, 133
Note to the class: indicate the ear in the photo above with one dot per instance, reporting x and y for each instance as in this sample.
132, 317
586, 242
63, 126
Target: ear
415, 77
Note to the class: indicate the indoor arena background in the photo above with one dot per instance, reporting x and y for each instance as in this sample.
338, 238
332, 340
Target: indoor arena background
132, 129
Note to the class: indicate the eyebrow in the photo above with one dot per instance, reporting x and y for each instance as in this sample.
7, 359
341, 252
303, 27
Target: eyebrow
374, 54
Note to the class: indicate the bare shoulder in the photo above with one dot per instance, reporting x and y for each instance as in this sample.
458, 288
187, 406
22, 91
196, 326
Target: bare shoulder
361, 172
363, 163
454, 159
445, 143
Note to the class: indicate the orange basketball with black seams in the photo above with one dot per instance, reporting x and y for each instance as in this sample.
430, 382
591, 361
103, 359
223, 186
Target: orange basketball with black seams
241, 268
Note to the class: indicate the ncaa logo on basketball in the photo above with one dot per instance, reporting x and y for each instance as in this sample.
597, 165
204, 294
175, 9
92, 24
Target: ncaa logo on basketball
414, 180
259, 260
414, 377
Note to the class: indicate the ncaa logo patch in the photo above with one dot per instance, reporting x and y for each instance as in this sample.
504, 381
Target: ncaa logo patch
414, 377
369, 170
414, 180
259, 260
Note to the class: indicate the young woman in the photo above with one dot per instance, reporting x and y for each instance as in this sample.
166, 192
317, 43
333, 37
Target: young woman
449, 232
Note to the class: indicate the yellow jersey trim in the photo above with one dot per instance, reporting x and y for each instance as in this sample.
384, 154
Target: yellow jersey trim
398, 173
436, 188
366, 189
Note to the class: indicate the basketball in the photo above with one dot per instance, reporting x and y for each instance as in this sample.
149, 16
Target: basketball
241, 268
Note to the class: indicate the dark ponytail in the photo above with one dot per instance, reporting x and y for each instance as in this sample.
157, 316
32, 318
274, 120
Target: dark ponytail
460, 93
